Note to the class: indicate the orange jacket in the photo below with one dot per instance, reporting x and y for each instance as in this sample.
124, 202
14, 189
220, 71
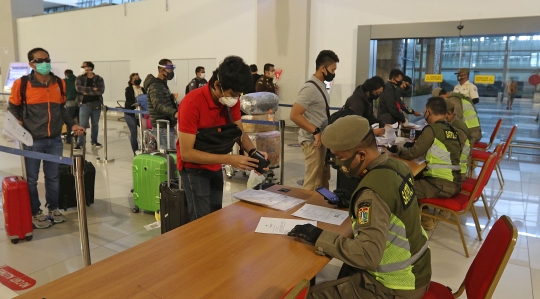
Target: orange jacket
44, 112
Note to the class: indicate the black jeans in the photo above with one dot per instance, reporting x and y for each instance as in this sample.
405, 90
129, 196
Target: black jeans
204, 191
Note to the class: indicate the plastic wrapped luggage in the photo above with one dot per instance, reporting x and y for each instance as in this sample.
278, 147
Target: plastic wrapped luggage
17, 210
268, 142
259, 103
256, 128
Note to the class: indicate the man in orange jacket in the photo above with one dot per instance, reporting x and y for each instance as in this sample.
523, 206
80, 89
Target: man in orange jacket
38, 101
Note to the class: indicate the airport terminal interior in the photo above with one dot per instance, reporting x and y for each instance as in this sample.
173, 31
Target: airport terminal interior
113, 226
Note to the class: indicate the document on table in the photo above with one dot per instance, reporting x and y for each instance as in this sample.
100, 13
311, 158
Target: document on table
322, 214
269, 199
279, 226
16, 131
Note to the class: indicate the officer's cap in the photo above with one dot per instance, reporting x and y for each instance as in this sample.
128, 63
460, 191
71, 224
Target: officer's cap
449, 104
345, 133
436, 92
463, 70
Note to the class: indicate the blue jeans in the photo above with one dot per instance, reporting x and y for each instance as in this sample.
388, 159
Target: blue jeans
51, 146
86, 114
204, 191
132, 124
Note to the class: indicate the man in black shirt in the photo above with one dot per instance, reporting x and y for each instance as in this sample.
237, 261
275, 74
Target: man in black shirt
198, 81
90, 88
254, 76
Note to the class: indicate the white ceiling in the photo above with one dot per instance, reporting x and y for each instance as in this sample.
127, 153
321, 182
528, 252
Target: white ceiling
54, 3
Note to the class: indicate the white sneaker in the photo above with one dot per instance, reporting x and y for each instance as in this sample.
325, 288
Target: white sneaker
57, 216
40, 220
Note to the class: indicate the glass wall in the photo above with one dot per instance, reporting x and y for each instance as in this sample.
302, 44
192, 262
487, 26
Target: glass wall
501, 56
85, 4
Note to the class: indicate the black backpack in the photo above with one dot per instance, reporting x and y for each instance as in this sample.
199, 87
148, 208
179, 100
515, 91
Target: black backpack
24, 83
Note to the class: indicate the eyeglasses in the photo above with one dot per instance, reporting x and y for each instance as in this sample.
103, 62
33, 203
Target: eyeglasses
41, 60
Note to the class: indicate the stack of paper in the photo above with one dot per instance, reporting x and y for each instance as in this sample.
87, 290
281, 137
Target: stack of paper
269, 199
322, 214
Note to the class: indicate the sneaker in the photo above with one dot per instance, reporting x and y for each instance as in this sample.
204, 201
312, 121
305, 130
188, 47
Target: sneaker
428, 223
77, 147
40, 221
97, 145
445, 214
57, 216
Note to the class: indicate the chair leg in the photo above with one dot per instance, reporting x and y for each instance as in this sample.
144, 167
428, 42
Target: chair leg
500, 177
485, 205
476, 223
462, 237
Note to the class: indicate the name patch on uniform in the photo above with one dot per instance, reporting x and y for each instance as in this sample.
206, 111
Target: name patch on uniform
364, 213
406, 190
450, 135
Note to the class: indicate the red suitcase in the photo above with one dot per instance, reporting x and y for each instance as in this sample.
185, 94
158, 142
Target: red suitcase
17, 211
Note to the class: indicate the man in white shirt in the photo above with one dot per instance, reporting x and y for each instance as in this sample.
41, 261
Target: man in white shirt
465, 87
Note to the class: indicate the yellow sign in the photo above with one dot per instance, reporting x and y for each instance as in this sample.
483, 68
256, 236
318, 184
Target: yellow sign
433, 78
484, 79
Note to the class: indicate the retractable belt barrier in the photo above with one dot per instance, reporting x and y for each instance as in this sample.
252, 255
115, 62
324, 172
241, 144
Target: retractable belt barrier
290, 106
77, 166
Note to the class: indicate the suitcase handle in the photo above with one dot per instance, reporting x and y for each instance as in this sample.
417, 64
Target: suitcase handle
74, 140
159, 135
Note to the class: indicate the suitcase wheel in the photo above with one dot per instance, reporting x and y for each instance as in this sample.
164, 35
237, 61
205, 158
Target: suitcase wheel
14, 241
28, 238
135, 209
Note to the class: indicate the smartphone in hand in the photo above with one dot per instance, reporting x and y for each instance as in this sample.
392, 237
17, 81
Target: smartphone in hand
328, 195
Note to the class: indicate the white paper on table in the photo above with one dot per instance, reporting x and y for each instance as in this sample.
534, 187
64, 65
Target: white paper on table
16, 131
262, 197
322, 214
287, 204
279, 226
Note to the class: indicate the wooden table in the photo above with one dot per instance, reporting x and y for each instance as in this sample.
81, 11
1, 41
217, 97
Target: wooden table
217, 256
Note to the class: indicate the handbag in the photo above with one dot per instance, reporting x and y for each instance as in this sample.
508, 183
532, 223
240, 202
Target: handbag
219, 139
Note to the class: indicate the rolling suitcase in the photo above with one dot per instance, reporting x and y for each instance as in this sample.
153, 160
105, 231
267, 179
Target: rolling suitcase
173, 208
17, 209
67, 197
149, 170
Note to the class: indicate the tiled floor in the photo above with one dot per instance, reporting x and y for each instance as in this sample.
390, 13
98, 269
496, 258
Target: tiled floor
112, 227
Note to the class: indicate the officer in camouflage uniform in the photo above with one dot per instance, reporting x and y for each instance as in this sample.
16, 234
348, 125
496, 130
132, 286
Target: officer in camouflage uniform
389, 255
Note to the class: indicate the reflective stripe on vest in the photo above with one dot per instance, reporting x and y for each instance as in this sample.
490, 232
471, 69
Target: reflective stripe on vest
464, 158
469, 114
439, 164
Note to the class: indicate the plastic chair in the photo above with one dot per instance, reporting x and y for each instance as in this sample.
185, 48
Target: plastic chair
486, 146
478, 155
299, 291
469, 183
487, 267
461, 203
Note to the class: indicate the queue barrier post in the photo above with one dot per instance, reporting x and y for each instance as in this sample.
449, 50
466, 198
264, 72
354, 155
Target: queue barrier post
104, 160
282, 153
77, 170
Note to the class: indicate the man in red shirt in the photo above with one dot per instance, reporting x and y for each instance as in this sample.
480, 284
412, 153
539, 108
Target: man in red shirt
207, 107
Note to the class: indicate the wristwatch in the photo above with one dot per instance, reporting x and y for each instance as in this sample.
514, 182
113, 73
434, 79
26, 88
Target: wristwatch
317, 131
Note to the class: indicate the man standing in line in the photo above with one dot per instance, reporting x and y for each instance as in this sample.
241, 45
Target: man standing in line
91, 88
255, 77
38, 102
311, 112
71, 99
198, 81
266, 82
390, 99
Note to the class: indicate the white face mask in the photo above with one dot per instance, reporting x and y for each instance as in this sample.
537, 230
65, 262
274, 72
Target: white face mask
228, 101
203, 75
83, 71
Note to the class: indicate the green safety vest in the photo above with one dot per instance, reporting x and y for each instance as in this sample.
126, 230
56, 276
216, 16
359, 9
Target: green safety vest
443, 157
470, 116
406, 242
466, 149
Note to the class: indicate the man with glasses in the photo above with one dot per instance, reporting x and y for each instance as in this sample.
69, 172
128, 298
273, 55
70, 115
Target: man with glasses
38, 102
206, 107
91, 88
161, 102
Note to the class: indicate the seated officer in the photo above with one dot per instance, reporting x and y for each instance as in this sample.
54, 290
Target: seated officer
439, 142
389, 255
464, 137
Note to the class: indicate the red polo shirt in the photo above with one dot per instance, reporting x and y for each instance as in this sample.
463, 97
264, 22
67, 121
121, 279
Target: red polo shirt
198, 111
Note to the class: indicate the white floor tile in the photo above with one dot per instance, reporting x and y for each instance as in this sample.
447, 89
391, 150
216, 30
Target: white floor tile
7, 293
515, 283
535, 277
534, 252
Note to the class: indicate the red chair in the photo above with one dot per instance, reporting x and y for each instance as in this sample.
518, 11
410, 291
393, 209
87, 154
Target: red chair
461, 203
481, 156
487, 267
469, 183
299, 291
486, 146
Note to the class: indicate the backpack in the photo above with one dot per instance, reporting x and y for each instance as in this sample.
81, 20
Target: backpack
24, 83
142, 99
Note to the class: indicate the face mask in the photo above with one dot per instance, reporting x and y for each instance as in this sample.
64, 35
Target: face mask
407, 88
228, 101
43, 68
169, 76
373, 97
329, 77
83, 71
344, 166
398, 83
203, 75
426, 116
137, 82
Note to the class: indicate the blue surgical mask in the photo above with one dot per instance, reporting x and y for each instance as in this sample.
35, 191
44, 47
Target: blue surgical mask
43, 68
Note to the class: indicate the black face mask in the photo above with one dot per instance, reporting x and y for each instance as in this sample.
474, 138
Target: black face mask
426, 115
373, 97
137, 82
398, 83
329, 77
407, 88
169, 76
